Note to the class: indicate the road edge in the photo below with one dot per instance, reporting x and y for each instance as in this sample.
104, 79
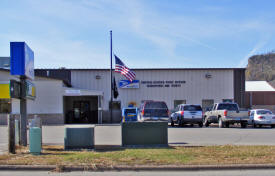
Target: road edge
61, 168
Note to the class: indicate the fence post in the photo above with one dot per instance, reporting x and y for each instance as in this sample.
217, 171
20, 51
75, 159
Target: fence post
11, 132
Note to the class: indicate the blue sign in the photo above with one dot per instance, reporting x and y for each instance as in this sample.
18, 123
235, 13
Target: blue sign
22, 60
128, 84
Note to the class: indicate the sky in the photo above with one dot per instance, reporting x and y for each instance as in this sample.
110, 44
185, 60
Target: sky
146, 33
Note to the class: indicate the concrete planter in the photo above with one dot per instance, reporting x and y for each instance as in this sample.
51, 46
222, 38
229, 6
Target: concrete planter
79, 137
144, 134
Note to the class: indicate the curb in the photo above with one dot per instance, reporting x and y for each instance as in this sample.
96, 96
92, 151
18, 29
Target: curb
61, 168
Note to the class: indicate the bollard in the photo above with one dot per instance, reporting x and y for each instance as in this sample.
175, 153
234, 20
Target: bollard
11, 132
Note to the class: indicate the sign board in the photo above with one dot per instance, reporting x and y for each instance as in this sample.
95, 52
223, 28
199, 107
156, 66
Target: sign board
22, 60
15, 89
4, 91
30, 90
72, 92
128, 84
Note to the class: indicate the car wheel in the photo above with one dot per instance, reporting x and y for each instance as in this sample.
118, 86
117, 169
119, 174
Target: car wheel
260, 126
191, 125
221, 125
172, 123
243, 125
200, 124
227, 124
206, 123
254, 125
179, 122
272, 126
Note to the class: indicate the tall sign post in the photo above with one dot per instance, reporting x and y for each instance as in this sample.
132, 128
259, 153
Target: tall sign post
22, 65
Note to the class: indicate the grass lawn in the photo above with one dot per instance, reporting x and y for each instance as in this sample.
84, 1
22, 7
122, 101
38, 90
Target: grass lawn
216, 155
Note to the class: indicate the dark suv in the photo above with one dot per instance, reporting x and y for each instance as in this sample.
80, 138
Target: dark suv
153, 111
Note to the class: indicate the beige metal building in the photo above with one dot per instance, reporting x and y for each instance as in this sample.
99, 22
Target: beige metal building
83, 95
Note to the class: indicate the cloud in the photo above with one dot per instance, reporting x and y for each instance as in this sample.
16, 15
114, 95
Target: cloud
255, 49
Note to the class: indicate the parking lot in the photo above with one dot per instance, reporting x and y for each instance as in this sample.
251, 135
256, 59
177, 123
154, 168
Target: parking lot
190, 136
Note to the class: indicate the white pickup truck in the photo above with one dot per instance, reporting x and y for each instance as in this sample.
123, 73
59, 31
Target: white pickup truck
226, 114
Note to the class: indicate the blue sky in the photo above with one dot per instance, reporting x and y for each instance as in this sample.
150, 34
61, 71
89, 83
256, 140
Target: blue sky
146, 33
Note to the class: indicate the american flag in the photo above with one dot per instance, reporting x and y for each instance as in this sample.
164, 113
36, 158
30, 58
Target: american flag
125, 71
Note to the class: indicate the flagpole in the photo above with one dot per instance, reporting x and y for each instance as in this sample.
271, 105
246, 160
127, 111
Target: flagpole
111, 72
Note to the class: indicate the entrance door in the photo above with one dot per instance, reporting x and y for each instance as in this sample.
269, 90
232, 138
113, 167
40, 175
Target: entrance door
81, 111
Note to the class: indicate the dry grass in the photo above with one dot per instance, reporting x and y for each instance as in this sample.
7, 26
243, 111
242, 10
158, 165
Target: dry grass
55, 155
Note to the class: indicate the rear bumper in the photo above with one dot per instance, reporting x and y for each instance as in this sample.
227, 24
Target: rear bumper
162, 119
264, 122
193, 120
235, 120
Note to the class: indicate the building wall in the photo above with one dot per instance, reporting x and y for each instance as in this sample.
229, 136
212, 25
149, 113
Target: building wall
220, 86
49, 98
259, 98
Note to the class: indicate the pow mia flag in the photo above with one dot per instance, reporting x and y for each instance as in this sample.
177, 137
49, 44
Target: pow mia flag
115, 91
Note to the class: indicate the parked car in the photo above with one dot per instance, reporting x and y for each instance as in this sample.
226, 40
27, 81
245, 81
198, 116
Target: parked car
187, 114
129, 114
226, 114
260, 117
153, 111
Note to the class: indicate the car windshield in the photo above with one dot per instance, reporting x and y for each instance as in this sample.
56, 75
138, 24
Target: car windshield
155, 105
192, 108
229, 107
263, 112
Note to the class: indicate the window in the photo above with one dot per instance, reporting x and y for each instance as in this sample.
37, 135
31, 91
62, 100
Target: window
192, 108
178, 102
5, 106
227, 100
206, 104
116, 105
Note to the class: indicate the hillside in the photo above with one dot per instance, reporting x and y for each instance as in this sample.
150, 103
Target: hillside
261, 68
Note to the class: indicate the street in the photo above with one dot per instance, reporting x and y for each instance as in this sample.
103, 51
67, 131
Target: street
151, 173
111, 135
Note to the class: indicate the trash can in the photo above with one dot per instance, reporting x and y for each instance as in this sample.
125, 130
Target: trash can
35, 140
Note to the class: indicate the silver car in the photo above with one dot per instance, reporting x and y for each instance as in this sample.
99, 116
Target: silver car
187, 114
260, 117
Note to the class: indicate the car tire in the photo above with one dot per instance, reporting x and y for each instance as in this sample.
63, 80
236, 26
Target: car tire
260, 126
201, 124
191, 125
254, 125
227, 124
206, 123
221, 124
179, 122
243, 125
272, 126
172, 123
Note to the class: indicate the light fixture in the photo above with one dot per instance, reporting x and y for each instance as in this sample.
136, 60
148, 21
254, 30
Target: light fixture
208, 75
97, 77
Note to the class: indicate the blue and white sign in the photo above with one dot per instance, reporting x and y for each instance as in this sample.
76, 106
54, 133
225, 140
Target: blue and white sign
22, 60
128, 84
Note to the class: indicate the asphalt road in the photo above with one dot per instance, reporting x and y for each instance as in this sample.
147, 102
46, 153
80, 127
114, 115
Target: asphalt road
161, 173
111, 135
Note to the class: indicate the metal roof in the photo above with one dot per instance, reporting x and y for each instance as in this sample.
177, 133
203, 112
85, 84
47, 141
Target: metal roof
258, 86
106, 69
